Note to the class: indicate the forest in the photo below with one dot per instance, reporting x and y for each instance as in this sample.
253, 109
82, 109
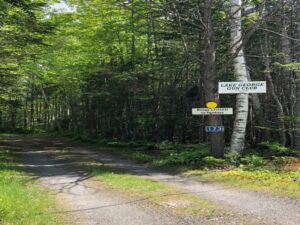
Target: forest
133, 70
142, 112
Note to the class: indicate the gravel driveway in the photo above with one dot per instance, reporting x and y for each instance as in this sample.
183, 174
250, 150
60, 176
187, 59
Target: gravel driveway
89, 203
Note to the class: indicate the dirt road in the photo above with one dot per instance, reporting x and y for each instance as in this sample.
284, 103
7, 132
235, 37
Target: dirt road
86, 203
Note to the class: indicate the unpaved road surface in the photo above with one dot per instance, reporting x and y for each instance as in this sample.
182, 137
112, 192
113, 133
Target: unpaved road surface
87, 203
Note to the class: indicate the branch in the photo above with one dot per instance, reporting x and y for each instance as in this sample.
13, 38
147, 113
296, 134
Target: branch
279, 34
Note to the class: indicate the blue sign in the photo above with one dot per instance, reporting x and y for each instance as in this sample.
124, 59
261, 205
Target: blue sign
214, 129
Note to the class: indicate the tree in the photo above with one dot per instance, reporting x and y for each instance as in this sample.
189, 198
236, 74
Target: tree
210, 81
21, 26
240, 68
134, 69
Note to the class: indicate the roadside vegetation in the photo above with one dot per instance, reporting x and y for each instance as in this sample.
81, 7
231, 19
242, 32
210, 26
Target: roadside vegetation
21, 201
270, 167
155, 192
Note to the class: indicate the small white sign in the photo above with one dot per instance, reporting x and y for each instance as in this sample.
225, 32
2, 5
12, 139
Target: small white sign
242, 87
215, 111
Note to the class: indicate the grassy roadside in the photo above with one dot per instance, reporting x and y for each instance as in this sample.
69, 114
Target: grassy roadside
21, 202
271, 169
154, 192
278, 183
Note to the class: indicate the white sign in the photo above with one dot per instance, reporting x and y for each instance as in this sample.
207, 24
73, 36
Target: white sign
215, 111
242, 87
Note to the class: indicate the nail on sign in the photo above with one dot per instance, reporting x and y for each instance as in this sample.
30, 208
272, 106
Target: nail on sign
242, 87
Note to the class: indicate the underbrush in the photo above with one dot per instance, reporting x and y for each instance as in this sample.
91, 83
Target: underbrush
20, 201
166, 154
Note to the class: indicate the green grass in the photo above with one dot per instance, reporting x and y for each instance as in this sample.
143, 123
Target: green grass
281, 183
22, 202
155, 192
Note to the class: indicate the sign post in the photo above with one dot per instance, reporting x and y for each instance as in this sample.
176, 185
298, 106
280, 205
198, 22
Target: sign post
212, 110
228, 88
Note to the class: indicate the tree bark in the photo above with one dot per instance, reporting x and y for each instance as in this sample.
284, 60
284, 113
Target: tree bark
289, 80
240, 70
297, 105
258, 115
297, 117
210, 83
276, 99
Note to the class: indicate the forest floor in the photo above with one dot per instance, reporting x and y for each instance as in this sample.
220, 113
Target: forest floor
68, 169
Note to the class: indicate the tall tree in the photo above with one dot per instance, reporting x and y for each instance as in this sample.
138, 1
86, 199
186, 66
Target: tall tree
297, 105
211, 80
240, 70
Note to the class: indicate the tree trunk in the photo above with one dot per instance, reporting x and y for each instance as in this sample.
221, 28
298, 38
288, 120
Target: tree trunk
297, 105
276, 99
210, 83
47, 103
258, 135
288, 81
32, 110
240, 70
1, 126
297, 116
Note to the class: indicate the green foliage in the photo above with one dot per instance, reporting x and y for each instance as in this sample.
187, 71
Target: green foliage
161, 154
187, 158
211, 161
232, 158
142, 157
254, 161
123, 70
275, 149
295, 66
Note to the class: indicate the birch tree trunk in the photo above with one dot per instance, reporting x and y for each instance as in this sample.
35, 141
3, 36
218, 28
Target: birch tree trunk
240, 70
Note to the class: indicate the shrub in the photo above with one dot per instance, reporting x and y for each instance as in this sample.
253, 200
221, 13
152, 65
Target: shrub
254, 161
233, 158
275, 149
188, 158
142, 157
211, 161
